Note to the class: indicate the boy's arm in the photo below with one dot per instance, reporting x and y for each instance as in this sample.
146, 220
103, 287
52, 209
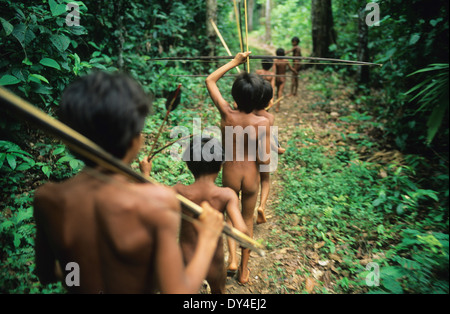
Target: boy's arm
264, 139
291, 68
46, 266
211, 82
173, 275
145, 165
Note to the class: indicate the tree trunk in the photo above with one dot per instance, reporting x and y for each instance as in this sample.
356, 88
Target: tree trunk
118, 9
323, 33
268, 24
363, 50
211, 13
250, 7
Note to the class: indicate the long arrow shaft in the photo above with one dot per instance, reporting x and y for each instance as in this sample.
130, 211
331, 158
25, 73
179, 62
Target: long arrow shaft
213, 58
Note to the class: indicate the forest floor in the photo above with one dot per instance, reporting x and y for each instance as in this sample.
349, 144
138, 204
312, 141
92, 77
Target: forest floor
283, 257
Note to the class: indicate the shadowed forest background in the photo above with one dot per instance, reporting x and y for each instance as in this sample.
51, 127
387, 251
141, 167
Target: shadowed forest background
380, 194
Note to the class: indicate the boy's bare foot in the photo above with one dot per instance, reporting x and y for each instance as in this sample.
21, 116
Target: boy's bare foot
244, 278
232, 269
281, 151
290, 95
261, 216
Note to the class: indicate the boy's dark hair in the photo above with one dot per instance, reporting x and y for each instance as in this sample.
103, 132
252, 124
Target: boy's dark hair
204, 166
296, 39
280, 52
267, 64
109, 109
266, 96
246, 91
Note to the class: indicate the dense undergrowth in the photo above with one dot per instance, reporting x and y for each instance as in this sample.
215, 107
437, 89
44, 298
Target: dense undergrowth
352, 203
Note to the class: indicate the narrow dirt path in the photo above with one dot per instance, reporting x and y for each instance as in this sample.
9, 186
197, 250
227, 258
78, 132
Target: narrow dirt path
290, 267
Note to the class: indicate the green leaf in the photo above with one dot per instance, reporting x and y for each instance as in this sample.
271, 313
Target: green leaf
8, 80
46, 170
435, 120
27, 61
16, 240
64, 159
39, 77
392, 285
377, 202
23, 34
61, 42
50, 63
58, 150
7, 26
56, 9
2, 159
11, 161
23, 167
74, 164
399, 209
414, 39
19, 32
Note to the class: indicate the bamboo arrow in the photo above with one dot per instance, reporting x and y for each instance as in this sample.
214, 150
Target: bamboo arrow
85, 147
246, 32
222, 40
212, 58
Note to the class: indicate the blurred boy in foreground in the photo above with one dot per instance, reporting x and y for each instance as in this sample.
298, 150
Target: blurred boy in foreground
123, 235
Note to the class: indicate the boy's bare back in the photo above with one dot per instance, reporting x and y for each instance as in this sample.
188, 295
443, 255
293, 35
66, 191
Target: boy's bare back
219, 198
107, 228
281, 69
267, 75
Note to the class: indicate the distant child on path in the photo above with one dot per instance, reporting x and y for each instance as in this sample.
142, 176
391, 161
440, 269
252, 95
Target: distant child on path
241, 173
224, 200
281, 66
296, 52
268, 75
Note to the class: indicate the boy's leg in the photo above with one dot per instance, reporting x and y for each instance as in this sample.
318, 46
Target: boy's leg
217, 276
231, 181
280, 94
232, 256
265, 189
249, 200
294, 85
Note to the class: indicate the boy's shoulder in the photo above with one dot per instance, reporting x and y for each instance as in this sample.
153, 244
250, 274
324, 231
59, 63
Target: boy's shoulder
47, 195
227, 192
262, 120
268, 115
157, 205
52, 196
157, 195
224, 195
